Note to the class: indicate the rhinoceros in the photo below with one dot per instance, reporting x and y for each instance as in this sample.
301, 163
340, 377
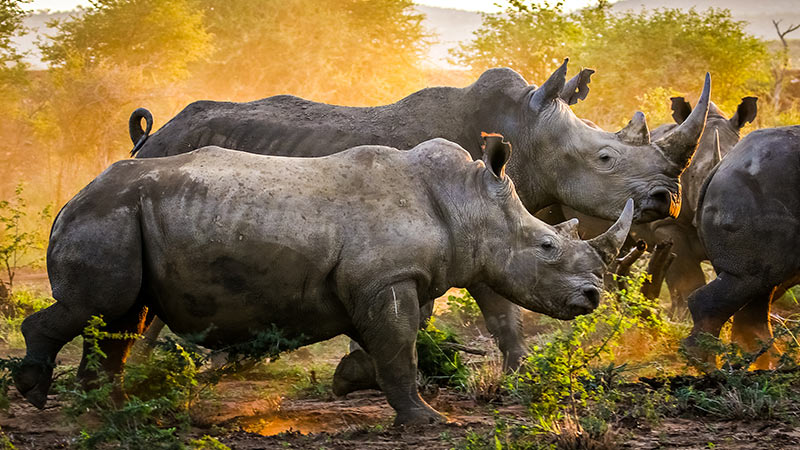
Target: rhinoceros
558, 158
748, 218
221, 243
685, 274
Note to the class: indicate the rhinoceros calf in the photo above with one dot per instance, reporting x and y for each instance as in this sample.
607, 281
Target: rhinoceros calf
749, 222
685, 274
224, 243
558, 158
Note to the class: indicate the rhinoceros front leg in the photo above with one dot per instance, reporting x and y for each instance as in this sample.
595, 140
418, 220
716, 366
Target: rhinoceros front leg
388, 324
504, 322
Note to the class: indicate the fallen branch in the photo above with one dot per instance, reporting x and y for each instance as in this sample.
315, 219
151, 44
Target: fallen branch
462, 348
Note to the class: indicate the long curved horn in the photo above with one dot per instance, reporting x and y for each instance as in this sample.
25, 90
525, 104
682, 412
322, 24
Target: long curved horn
608, 244
680, 144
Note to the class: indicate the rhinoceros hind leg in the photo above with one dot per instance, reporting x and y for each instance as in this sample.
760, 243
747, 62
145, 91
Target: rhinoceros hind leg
388, 328
713, 304
355, 372
45, 332
752, 330
116, 350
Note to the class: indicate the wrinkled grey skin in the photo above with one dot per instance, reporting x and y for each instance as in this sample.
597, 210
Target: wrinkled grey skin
749, 222
558, 158
685, 274
222, 243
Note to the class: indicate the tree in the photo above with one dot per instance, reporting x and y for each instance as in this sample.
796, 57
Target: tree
636, 55
104, 61
12, 69
339, 51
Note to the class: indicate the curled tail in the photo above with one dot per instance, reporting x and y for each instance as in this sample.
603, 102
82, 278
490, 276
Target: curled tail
138, 135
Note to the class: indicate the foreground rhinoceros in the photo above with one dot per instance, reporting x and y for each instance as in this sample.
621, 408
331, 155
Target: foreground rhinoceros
222, 244
558, 158
748, 218
685, 274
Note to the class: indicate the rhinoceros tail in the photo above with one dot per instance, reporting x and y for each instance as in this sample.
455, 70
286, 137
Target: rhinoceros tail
138, 135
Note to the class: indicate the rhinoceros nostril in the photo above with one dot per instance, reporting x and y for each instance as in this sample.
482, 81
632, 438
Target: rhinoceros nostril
661, 196
593, 295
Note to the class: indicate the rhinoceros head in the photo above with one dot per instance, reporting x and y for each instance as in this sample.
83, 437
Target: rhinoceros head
595, 171
720, 135
544, 268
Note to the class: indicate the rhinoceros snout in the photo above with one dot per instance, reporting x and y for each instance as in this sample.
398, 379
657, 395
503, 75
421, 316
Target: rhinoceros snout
585, 301
660, 203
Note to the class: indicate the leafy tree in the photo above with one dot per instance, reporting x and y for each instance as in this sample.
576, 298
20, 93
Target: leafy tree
12, 69
103, 62
162, 37
341, 51
636, 55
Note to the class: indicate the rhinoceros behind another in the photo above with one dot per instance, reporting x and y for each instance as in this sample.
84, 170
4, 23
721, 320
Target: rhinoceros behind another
748, 217
557, 157
222, 243
685, 274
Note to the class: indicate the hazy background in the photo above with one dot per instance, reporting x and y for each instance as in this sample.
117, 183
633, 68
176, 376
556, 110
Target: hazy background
70, 79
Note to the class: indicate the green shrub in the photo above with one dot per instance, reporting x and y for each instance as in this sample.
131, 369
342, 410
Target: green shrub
464, 307
437, 359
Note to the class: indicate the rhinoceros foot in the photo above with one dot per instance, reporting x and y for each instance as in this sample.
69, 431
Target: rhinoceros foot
32, 380
698, 354
355, 372
420, 416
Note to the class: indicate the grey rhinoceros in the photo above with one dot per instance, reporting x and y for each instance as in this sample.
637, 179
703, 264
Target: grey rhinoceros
221, 244
748, 218
558, 158
685, 274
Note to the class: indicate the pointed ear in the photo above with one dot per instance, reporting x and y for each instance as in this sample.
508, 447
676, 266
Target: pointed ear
568, 228
745, 112
496, 154
636, 131
680, 109
577, 88
551, 89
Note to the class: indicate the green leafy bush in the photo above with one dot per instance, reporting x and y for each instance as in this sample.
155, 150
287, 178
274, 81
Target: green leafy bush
437, 359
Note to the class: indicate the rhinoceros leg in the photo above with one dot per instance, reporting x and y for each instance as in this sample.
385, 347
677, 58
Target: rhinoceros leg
684, 276
713, 304
116, 350
504, 322
751, 329
45, 332
388, 328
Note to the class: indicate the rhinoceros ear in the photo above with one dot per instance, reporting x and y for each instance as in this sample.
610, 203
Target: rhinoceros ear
577, 88
496, 154
568, 228
551, 89
745, 112
636, 131
680, 109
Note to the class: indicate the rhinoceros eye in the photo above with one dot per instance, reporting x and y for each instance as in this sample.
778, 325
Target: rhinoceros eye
548, 248
606, 158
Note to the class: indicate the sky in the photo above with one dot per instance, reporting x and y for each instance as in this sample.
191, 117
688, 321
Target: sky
474, 5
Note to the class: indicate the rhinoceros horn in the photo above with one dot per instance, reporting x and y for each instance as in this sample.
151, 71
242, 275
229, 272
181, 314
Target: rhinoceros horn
551, 89
679, 145
568, 228
636, 131
608, 244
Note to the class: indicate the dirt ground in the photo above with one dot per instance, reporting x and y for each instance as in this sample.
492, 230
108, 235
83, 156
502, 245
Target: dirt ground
262, 412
